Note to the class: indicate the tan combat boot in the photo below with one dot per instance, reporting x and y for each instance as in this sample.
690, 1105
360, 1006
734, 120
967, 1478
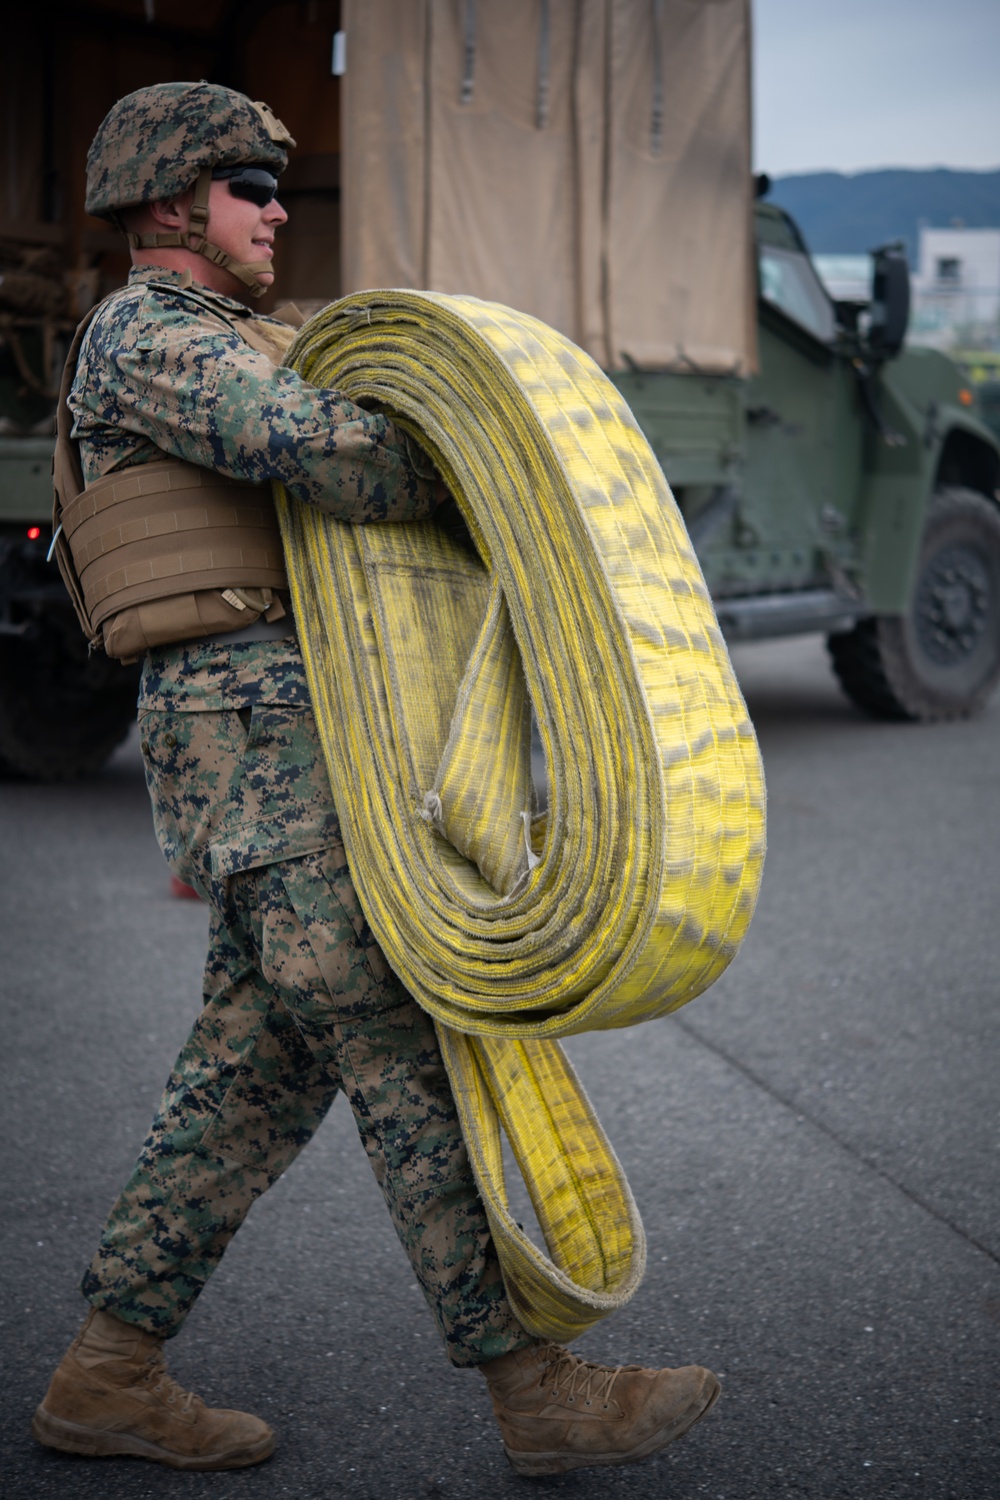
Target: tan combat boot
558, 1412
112, 1395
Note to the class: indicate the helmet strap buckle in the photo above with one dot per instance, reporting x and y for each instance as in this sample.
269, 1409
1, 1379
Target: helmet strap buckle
199, 208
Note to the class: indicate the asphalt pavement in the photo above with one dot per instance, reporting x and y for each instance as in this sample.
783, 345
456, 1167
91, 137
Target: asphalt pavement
813, 1146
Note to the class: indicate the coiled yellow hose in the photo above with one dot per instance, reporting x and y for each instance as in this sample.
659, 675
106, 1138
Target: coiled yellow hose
582, 599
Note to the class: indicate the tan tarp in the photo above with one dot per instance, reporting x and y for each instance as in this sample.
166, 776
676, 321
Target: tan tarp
587, 161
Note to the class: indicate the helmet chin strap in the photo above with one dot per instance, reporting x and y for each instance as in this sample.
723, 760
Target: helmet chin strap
194, 239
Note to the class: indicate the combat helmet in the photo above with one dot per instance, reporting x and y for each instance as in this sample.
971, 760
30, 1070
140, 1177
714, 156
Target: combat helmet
157, 142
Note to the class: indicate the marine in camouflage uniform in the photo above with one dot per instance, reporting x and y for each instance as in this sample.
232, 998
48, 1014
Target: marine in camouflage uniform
299, 1002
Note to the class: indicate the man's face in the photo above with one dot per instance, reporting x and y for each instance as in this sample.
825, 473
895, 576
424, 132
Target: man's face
237, 225
242, 229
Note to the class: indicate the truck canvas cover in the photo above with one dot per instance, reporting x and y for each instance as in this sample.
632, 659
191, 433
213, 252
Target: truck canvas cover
586, 161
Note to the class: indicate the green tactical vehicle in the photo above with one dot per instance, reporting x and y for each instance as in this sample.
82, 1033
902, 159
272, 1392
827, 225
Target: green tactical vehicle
844, 489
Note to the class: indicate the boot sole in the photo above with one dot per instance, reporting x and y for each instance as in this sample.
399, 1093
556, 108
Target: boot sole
536, 1465
89, 1442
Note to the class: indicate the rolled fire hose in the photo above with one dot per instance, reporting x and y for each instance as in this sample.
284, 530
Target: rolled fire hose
575, 593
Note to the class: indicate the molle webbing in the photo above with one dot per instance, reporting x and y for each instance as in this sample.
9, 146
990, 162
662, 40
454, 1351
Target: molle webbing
147, 532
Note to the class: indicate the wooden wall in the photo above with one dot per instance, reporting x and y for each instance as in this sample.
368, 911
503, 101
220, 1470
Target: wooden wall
64, 66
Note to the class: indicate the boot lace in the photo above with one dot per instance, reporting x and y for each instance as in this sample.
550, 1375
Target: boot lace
160, 1381
577, 1378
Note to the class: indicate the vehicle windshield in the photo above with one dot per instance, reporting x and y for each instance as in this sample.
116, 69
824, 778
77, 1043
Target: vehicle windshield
788, 281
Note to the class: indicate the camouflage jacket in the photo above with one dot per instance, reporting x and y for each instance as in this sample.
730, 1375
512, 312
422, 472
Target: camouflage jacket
163, 370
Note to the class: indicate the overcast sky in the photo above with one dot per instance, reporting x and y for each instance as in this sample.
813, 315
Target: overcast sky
856, 84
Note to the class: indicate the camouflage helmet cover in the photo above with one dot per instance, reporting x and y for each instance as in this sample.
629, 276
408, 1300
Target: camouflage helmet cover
153, 143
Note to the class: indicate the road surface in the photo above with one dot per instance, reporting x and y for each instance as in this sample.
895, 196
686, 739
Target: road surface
813, 1146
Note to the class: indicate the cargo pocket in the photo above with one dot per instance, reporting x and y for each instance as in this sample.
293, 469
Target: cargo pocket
192, 763
282, 807
353, 966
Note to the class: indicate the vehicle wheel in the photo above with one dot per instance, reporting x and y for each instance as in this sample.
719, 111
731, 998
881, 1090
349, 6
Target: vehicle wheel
62, 710
942, 659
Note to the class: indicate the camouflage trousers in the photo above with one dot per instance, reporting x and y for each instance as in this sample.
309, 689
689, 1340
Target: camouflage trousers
299, 1003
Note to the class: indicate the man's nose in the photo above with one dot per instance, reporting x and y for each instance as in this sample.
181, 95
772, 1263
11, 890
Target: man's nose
274, 213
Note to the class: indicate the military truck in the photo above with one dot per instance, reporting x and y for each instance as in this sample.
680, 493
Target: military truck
587, 162
63, 708
844, 488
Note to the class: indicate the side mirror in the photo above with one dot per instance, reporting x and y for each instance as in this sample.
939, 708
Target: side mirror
890, 307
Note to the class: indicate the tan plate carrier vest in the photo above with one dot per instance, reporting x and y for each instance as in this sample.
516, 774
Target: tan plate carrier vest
166, 551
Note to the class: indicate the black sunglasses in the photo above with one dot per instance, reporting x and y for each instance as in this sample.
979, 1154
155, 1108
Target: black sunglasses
255, 184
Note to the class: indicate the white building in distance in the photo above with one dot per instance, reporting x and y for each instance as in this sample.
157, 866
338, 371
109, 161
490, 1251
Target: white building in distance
957, 286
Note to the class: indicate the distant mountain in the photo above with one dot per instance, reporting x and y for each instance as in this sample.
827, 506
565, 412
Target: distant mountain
849, 215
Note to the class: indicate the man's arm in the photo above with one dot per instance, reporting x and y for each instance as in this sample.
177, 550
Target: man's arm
185, 381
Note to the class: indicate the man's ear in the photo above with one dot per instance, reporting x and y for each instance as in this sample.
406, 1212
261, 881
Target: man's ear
171, 213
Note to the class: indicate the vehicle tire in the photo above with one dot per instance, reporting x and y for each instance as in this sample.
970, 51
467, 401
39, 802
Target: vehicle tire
62, 710
942, 659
